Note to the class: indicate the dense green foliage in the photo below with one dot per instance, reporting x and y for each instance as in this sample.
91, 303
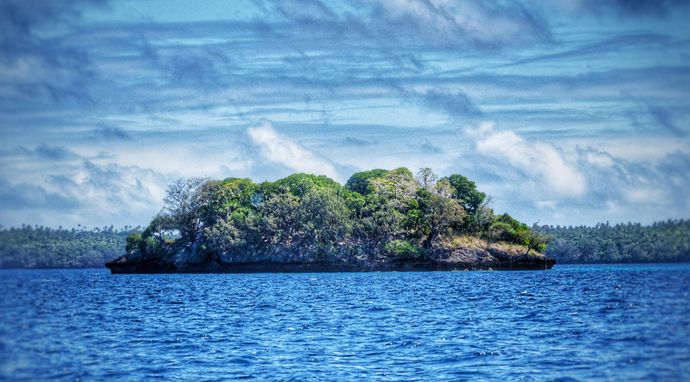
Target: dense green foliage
667, 241
43, 247
377, 214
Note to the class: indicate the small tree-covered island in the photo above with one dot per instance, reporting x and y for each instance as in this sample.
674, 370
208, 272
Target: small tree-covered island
380, 220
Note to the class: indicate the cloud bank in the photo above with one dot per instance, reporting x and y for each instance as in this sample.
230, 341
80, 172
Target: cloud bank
536, 160
102, 103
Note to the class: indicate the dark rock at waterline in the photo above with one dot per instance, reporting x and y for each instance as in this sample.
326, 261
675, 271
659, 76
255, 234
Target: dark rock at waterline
457, 260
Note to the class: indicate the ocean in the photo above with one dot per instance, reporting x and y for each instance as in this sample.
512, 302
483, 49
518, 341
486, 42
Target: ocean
574, 322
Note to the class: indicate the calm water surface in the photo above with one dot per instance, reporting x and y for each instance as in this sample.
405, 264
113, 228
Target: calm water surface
628, 322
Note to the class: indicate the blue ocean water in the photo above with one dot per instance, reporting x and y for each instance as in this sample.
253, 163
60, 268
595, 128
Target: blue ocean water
608, 322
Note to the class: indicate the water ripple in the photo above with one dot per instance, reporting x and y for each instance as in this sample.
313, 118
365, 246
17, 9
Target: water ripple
574, 323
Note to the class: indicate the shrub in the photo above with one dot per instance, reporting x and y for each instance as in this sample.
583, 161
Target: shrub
132, 242
402, 249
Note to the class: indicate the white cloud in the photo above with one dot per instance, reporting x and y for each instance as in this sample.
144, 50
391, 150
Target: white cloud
644, 195
281, 149
551, 204
597, 158
541, 159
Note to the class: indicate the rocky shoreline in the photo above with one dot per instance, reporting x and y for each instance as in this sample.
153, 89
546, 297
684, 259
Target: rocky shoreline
458, 260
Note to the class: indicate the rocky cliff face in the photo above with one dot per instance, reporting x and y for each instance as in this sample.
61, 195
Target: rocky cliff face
467, 254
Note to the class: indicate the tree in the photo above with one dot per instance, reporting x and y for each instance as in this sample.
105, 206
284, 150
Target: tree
183, 207
466, 191
426, 178
444, 189
439, 215
221, 198
359, 181
299, 184
386, 214
480, 223
324, 221
500, 231
280, 220
535, 241
380, 221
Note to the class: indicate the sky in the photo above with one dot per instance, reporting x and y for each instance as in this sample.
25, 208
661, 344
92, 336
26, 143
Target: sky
565, 112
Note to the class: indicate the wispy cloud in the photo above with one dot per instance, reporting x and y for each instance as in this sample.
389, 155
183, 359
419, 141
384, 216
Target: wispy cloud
605, 47
48, 153
635, 8
282, 150
454, 103
111, 132
659, 116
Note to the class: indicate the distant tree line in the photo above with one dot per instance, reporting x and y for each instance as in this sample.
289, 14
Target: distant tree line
667, 241
43, 247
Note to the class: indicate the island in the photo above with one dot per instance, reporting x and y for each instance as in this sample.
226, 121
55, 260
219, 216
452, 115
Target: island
380, 220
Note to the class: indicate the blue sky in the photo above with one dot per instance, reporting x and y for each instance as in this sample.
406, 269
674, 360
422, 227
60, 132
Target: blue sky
564, 111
